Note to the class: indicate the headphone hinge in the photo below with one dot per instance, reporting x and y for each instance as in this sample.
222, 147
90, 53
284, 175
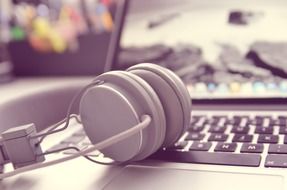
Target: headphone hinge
19, 148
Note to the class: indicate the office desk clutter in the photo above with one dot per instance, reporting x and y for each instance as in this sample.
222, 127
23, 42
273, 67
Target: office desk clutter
55, 26
54, 37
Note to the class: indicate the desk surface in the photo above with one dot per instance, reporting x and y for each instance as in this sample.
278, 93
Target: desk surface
42, 101
25, 86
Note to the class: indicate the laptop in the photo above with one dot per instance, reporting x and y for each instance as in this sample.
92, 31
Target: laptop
236, 138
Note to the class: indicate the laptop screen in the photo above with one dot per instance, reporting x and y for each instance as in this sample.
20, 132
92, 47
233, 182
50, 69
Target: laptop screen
221, 49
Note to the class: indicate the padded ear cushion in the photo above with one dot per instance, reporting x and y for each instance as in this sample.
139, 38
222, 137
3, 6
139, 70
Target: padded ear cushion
115, 106
151, 146
173, 96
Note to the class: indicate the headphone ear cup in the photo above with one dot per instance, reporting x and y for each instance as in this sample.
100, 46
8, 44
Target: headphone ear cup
173, 96
117, 105
152, 144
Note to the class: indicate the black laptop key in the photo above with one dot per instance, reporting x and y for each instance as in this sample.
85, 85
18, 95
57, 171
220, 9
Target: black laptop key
233, 121
282, 122
273, 122
242, 138
258, 121
194, 136
194, 120
264, 130
251, 148
218, 137
202, 157
272, 139
217, 129
277, 149
276, 161
200, 146
240, 130
212, 120
283, 130
179, 145
196, 128
198, 120
225, 147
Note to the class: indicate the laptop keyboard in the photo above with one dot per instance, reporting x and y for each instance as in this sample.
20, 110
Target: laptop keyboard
239, 140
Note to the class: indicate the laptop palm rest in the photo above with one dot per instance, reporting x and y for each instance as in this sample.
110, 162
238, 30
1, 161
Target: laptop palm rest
143, 178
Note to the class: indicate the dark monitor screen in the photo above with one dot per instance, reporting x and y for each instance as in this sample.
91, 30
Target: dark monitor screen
221, 49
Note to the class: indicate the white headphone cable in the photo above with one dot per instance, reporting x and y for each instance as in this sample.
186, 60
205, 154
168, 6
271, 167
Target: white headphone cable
145, 121
69, 114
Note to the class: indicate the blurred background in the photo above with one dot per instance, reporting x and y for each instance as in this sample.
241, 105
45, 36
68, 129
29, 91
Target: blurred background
55, 37
219, 48
223, 48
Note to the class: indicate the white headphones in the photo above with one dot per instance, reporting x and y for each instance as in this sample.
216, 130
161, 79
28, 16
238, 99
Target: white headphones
129, 115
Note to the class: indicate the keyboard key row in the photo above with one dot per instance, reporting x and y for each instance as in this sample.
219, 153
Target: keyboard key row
231, 147
198, 154
262, 138
239, 130
220, 144
227, 158
279, 117
240, 120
